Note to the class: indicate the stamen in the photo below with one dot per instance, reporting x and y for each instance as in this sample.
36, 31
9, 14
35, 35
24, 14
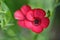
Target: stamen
36, 21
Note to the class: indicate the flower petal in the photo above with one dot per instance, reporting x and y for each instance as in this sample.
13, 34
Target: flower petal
28, 24
44, 22
30, 15
34, 28
37, 29
39, 13
18, 15
21, 23
25, 9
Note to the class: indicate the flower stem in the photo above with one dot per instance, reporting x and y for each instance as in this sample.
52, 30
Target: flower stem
35, 37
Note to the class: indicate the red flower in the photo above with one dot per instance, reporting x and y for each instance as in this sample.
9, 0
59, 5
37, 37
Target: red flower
33, 19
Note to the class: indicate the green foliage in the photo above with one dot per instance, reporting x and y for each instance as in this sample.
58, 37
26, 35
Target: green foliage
9, 25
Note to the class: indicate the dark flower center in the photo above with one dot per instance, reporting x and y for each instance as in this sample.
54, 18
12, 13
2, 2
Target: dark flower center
36, 21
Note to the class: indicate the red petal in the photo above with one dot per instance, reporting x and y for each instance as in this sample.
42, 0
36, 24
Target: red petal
28, 24
21, 23
39, 13
37, 29
44, 22
18, 15
30, 15
34, 28
25, 9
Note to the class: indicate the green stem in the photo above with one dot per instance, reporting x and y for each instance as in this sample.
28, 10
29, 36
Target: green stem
35, 37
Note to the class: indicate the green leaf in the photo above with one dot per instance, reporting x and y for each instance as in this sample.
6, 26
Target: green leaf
10, 32
5, 16
15, 4
4, 6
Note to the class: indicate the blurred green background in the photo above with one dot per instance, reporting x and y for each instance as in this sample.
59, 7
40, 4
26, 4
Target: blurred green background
9, 30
